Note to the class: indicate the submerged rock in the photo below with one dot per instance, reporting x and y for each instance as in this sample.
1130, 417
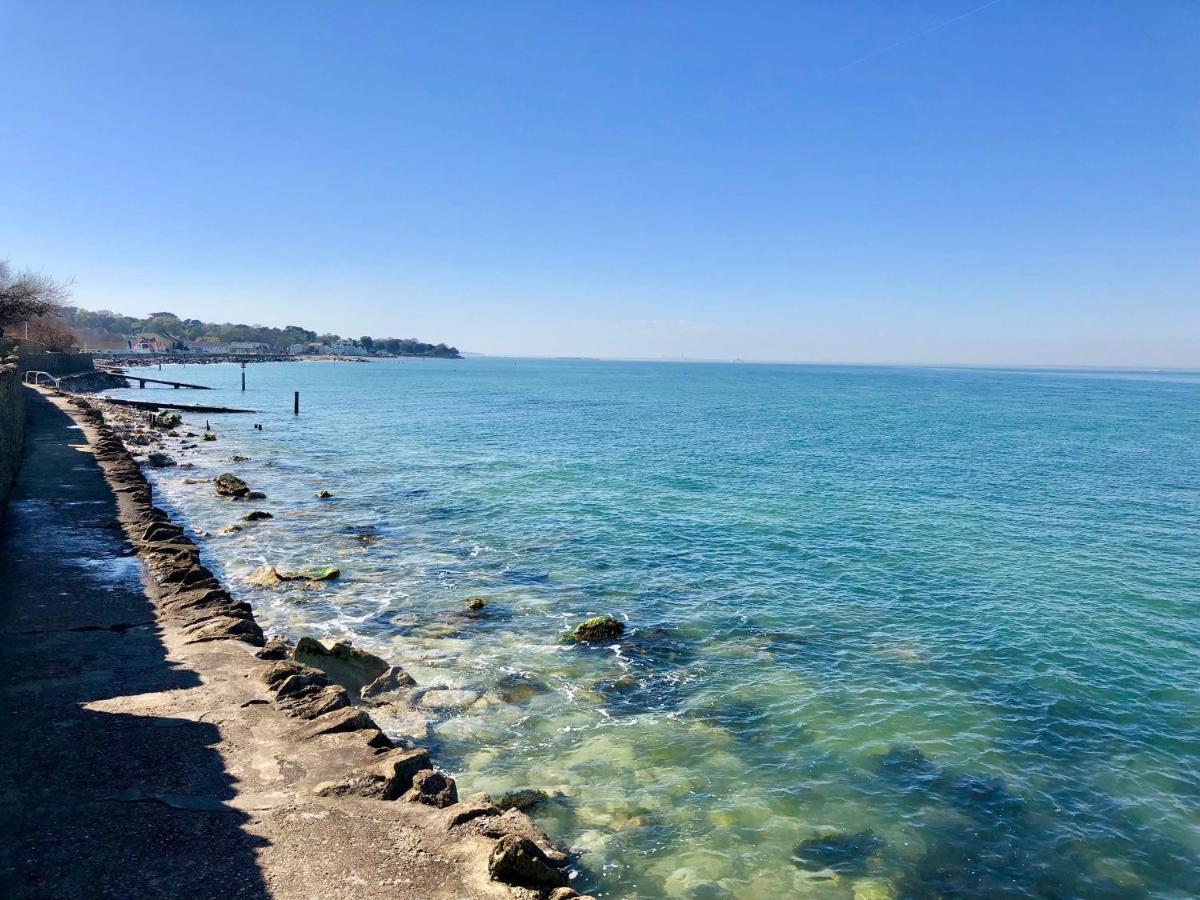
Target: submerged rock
598, 630
231, 486
348, 666
448, 698
846, 854
258, 515
269, 576
524, 799
475, 604
517, 860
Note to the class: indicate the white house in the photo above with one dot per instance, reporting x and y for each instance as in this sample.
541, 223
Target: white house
249, 348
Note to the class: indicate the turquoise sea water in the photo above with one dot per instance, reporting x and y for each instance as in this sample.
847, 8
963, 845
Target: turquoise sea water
891, 632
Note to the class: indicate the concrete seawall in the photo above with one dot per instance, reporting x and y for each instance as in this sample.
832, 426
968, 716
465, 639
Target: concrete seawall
12, 425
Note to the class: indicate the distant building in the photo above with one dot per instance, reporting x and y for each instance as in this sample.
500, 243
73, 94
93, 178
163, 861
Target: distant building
250, 348
156, 342
212, 349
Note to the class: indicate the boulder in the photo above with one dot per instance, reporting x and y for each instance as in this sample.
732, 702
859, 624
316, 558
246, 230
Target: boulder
522, 799
432, 788
478, 806
209, 436
168, 420
257, 515
394, 679
321, 573
254, 495
476, 604
388, 779
448, 698
323, 700
276, 649
236, 458
519, 861
324, 495
159, 460
598, 630
231, 486
337, 722
519, 824
348, 666
263, 576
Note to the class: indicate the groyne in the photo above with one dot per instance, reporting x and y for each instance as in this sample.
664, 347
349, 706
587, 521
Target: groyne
297, 793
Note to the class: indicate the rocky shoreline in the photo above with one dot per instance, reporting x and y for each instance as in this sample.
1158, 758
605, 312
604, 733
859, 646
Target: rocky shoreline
323, 692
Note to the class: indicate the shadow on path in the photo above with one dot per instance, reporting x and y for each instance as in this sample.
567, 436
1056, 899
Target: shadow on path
97, 803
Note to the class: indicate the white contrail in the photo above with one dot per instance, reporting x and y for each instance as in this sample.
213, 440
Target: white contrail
914, 37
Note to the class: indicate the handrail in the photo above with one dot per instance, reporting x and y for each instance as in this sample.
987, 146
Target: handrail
37, 377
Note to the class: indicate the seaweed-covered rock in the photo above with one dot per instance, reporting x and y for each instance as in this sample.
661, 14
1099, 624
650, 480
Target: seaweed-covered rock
167, 420
524, 799
519, 861
209, 436
846, 854
598, 630
348, 666
476, 604
321, 573
231, 486
257, 515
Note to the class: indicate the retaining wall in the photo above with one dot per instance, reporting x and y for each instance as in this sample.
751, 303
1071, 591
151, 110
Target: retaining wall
12, 424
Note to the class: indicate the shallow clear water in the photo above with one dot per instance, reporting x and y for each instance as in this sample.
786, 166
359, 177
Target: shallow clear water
948, 615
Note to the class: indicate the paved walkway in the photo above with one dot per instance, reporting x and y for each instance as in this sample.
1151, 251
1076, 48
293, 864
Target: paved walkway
94, 803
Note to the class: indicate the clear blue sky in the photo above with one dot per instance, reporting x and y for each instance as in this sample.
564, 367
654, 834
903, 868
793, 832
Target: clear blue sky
824, 181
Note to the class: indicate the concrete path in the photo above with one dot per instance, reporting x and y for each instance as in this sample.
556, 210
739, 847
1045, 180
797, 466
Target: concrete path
97, 804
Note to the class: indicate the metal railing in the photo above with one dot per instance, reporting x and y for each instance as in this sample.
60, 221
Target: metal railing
35, 376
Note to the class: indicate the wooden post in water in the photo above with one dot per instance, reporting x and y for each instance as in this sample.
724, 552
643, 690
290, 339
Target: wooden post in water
296, 404
243, 376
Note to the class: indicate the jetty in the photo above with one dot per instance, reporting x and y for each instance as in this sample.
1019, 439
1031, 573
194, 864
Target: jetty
155, 405
142, 380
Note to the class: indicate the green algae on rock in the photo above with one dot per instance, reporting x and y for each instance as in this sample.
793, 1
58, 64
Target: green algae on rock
597, 630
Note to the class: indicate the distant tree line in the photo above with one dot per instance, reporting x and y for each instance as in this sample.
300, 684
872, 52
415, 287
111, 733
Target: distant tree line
104, 327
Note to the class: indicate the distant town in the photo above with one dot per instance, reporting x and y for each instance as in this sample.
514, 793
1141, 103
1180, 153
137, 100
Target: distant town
164, 333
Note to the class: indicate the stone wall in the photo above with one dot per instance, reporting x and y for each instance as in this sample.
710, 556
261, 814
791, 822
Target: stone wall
12, 424
55, 363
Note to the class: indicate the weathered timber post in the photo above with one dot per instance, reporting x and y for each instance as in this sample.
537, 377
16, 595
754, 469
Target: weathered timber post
296, 404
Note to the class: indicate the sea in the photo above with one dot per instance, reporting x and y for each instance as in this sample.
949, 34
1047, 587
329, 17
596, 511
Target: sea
890, 632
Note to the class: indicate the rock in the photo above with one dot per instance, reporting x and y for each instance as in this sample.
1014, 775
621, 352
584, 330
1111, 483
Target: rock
566, 893
433, 788
276, 648
311, 705
392, 680
598, 630
168, 420
231, 486
519, 861
263, 576
324, 495
475, 807
324, 573
257, 515
448, 698
475, 604
518, 688
519, 824
159, 460
209, 436
231, 529
226, 628
388, 779
348, 666
236, 458
254, 495
337, 722
522, 799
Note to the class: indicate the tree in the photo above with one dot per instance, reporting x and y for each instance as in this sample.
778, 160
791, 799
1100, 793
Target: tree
52, 333
366, 342
27, 295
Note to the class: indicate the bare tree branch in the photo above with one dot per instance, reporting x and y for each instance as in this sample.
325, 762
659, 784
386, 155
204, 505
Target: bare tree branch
26, 295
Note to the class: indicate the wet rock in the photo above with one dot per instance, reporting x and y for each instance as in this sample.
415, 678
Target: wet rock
276, 649
566, 893
257, 515
476, 604
519, 688
322, 573
598, 630
519, 861
394, 679
231, 486
846, 854
254, 495
209, 436
168, 420
348, 666
388, 779
231, 529
524, 799
159, 460
269, 576
433, 788
324, 495
236, 458
517, 823
263, 576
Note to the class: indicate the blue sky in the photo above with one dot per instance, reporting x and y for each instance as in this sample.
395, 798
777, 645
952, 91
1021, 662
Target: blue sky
812, 181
